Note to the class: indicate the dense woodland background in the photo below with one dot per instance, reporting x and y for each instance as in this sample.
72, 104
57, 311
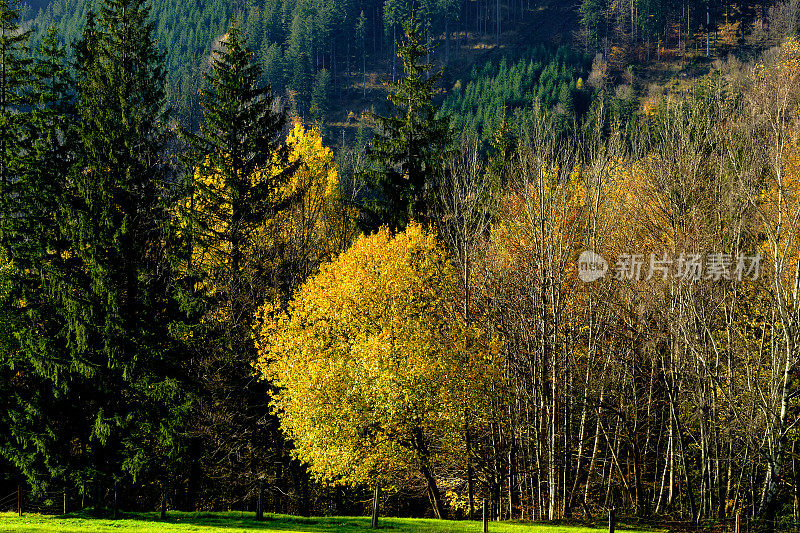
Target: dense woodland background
273, 255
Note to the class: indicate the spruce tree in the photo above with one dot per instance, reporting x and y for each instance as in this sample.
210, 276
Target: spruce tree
408, 151
41, 423
238, 169
26, 377
119, 311
320, 98
14, 79
43, 182
239, 162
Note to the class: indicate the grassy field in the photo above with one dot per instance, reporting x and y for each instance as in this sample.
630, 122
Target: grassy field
236, 522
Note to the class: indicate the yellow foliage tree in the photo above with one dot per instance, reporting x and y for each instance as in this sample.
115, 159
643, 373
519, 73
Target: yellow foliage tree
318, 225
374, 364
774, 99
310, 228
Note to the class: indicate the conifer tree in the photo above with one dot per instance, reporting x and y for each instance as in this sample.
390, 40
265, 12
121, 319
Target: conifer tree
592, 16
239, 167
118, 309
42, 423
14, 77
239, 164
504, 152
14, 124
408, 151
50, 142
320, 97
26, 319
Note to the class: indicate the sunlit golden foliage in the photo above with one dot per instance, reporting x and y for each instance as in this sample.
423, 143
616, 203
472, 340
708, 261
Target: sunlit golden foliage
319, 224
544, 213
728, 34
375, 366
312, 225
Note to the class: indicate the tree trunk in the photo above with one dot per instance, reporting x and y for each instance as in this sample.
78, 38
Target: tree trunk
470, 474
684, 462
421, 447
375, 497
768, 507
446, 40
116, 505
394, 50
433, 493
260, 501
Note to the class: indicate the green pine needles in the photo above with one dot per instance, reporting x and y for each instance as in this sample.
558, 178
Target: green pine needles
408, 152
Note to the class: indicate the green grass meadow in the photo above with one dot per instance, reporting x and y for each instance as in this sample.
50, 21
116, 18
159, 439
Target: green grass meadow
233, 522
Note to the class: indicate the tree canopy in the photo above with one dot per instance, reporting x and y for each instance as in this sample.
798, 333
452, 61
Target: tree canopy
376, 368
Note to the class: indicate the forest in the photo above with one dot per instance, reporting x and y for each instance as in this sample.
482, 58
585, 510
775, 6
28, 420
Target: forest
317, 258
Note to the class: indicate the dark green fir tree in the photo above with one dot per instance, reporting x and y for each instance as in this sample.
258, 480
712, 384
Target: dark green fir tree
28, 372
14, 79
408, 152
238, 162
119, 312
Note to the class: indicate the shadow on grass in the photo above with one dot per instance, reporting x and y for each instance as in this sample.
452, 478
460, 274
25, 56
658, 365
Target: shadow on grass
241, 521
235, 520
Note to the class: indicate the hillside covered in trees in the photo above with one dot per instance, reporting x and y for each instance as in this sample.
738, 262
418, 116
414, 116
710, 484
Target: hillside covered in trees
307, 257
327, 59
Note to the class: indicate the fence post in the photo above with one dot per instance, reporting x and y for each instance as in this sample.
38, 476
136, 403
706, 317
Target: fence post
65, 499
612, 519
738, 527
485, 516
19, 500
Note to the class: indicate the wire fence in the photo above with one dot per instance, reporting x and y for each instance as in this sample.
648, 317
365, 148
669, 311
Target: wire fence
9, 502
24, 501
46, 503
